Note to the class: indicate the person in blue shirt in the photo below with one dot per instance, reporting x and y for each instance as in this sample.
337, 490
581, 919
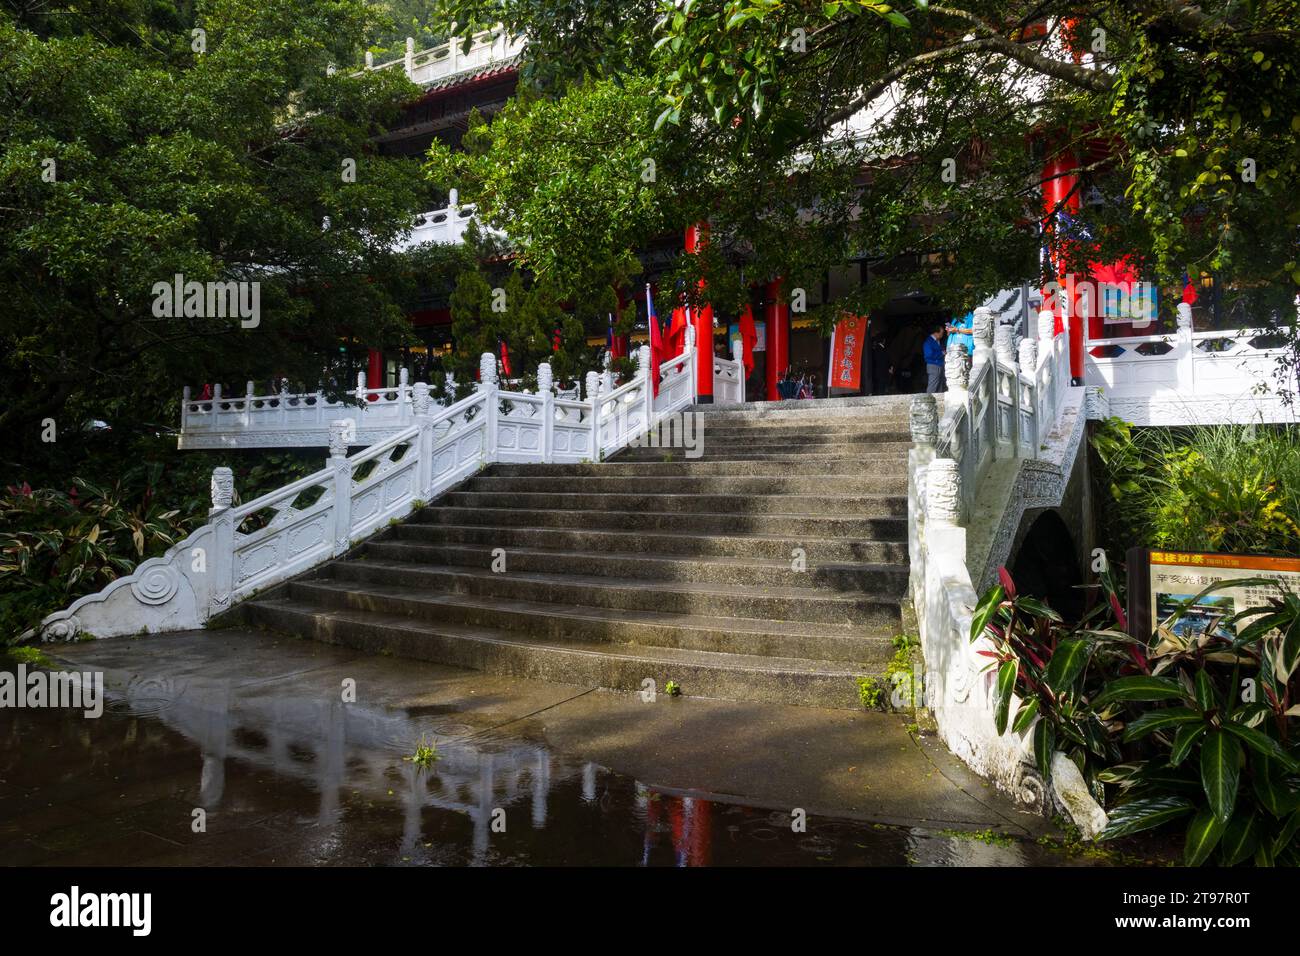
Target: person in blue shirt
932, 351
959, 331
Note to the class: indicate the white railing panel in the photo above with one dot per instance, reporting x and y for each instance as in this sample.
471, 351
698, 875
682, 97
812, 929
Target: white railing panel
676, 383
290, 540
521, 427
571, 441
728, 380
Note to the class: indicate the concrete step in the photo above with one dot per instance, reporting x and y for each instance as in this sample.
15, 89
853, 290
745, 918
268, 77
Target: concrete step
826, 409
656, 565
865, 482
813, 525
817, 550
701, 456
788, 465
879, 579
650, 501
796, 425
838, 642
813, 683
680, 597
743, 450
801, 437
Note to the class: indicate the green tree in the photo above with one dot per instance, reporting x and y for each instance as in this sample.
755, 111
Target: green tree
405, 18
143, 140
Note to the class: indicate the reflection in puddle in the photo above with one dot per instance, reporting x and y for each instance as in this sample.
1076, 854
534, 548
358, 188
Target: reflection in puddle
297, 780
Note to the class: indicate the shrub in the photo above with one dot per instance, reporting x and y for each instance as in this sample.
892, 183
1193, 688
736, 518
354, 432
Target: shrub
1055, 669
59, 544
1203, 728
1220, 488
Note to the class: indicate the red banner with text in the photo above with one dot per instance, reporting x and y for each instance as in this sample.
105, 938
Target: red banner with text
846, 352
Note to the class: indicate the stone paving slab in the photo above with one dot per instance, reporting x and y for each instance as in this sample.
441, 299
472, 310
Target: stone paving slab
864, 766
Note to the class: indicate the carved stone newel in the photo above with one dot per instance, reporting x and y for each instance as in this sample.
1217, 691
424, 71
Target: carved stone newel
339, 434
924, 419
943, 492
1046, 326
956, 367
1028, 356
982, 330
223, 488
487, 370
420, 398
1004, 345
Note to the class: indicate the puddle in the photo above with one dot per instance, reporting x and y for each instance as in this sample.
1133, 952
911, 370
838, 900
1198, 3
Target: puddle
293, 780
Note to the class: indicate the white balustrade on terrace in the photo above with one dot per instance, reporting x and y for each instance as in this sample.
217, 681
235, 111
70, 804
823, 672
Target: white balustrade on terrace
248, 547
1007, 442
445, 226
285, 420
729, 377
303, 420
425, 67
1188, 377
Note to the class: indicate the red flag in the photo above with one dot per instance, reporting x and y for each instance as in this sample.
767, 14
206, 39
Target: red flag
677, 332
505, 358
748, 338
656, 341
616, 344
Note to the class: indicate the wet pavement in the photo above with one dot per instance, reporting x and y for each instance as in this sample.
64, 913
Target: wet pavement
295, 753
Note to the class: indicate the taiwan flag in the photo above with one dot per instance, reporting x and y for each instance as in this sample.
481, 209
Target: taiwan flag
656, 340
1189, 290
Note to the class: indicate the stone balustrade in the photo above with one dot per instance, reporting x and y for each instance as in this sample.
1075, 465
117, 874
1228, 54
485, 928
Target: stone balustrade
1187, 377
245, 548
1010, 408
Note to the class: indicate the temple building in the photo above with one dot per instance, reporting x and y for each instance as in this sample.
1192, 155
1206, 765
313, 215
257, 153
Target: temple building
792, 358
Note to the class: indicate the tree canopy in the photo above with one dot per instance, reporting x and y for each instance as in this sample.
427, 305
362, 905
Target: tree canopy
142, 140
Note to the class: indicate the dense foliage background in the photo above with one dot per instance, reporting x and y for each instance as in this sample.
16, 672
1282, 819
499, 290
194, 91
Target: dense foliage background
134, 148
1222, 488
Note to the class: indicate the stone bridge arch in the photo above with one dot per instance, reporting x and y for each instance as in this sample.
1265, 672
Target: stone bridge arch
1039, 525
1045, 562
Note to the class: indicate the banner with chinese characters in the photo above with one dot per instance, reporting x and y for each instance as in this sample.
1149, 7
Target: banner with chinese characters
846, 352
1161, 581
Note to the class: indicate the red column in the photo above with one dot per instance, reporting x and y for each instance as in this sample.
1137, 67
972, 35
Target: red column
777, 316
1060, 176
375, 370
702, 319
